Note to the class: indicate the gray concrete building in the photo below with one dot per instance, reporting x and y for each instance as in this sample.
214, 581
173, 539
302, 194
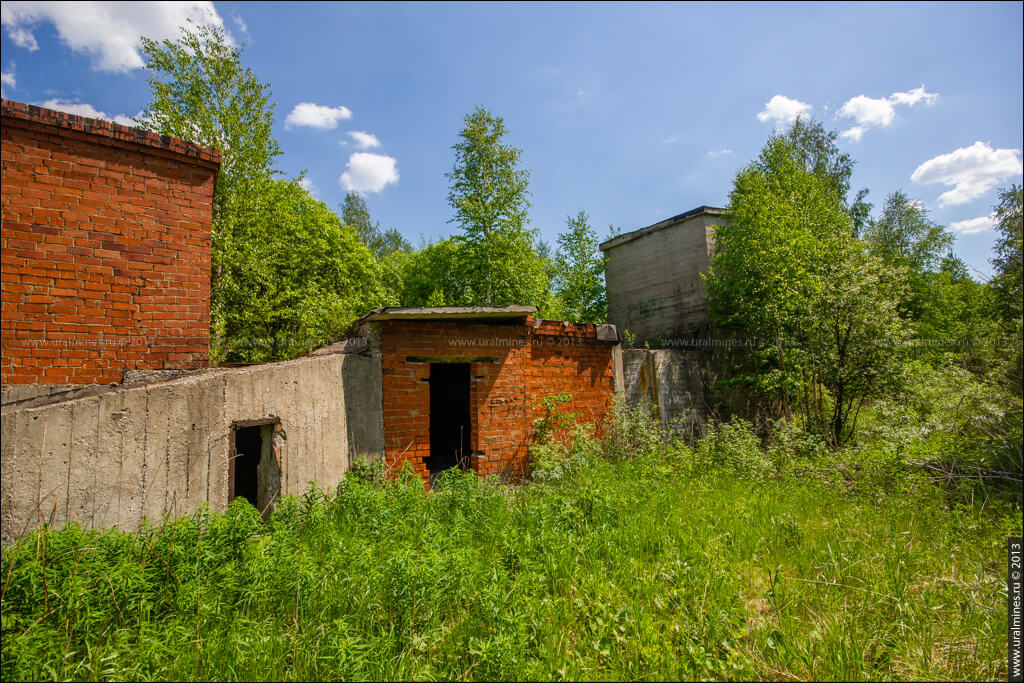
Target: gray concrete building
653, 278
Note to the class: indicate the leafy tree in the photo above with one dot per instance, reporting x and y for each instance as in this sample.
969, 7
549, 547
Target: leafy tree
553, 308
791, 278
388, 246
905, 237
304, 277
489, 194
579, 273
382, 243
1008, 282
433, 275
816, 151
202, 93
854, 338
286, 275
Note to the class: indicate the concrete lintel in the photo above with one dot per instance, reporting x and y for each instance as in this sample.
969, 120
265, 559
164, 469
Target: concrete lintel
452, 359
449, 312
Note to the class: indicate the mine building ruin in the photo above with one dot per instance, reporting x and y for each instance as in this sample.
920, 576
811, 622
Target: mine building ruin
111, 413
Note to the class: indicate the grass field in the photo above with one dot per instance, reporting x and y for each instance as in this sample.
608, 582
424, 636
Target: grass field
676, 563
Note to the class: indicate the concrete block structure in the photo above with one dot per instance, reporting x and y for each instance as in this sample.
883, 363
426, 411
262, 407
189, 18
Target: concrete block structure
128, 453
105, 247
462, 387
653, 278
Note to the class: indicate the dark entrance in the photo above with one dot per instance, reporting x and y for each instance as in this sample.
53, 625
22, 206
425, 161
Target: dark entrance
449, 417
254, 472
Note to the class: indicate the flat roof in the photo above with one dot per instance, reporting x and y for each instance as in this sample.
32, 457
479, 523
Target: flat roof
448, 312
661, 225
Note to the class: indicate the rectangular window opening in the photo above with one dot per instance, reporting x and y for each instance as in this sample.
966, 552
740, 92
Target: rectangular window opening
450, 427
254, 471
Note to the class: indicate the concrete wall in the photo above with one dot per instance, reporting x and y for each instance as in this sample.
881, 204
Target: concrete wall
653, 277
117, 457
681, 386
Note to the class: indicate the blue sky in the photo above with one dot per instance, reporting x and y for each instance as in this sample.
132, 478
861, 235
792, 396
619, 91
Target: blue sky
632, 112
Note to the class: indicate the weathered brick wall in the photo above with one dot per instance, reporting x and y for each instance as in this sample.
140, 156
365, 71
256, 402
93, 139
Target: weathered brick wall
105, 249
513, 365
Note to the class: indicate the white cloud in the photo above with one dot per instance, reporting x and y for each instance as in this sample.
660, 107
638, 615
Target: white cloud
368, 172
22, 37
719, 152
316, 116
240, 23
7, 80
364, 140
306, 184
914, 96
972, 225
671, 139
972, 171
87, 110
855, 133
783, 110
107, 31
875, 112
868, 111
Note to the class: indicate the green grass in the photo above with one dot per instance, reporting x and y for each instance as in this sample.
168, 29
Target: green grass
674, 564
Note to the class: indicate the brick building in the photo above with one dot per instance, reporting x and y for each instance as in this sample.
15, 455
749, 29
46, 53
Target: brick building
462, 386
105, 249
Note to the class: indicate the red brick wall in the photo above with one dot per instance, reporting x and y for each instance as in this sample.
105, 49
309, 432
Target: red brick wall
105, 249
512, 367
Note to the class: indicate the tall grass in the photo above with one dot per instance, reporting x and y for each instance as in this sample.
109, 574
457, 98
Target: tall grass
637, 556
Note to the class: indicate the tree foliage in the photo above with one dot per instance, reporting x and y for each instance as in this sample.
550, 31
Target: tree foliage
202, 93
389, 247
815, 150
382, 243
299, 277
1008, 281
490, 197
905, 237
433, 275
579, 273
854, 339
286, 275
791, 279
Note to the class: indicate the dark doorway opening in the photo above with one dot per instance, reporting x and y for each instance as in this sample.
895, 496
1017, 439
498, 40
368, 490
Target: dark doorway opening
254, 472
449, 417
